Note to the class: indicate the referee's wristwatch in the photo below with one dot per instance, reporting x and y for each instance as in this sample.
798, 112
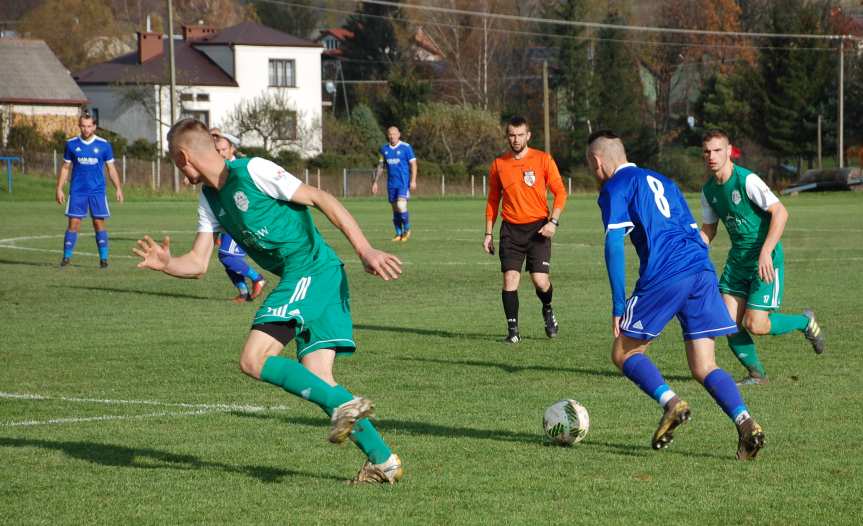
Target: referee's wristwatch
554, 221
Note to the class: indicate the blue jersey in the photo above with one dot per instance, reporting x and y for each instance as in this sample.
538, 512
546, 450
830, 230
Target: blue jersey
398, 160
228, 246
88, 160
652, 210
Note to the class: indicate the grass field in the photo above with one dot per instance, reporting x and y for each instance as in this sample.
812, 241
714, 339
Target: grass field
121, 401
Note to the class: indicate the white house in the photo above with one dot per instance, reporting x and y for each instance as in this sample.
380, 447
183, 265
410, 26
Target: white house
215, 71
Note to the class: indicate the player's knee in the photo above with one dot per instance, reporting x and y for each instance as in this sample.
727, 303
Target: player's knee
702, 369
401, 205
756, 325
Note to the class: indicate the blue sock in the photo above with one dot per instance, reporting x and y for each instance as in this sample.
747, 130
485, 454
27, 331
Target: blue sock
406, 222
722, 388
242, 287
253, 274
397, 222
102, 243
69, 241
645, 375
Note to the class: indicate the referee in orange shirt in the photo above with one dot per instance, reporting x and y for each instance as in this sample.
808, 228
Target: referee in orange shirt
522, 177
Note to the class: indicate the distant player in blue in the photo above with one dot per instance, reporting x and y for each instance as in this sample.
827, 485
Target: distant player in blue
401, 166
87, 156
675, 278
231, 255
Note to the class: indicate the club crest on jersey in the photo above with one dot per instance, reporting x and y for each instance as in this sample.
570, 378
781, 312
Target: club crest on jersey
241, 201
735, 197
529, 178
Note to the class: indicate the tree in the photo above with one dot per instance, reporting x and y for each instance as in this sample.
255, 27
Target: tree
576, 76
276, 121
218, 13
620, 104
724, 104
407, 93
70, 28
373, 49
365, 126
298, 19
456, 134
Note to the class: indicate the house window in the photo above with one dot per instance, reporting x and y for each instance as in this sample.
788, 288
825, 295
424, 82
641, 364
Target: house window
203, 116
287, 130
187, 97
203, 97
331, 43
282, 73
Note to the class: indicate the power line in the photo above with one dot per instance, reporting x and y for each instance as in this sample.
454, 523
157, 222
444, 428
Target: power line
600, 25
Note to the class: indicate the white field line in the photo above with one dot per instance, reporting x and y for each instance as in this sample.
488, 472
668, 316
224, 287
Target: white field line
197, 409
11, 243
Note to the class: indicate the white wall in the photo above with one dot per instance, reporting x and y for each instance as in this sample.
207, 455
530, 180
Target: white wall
132, 121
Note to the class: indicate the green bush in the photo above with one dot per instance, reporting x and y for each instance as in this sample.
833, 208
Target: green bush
327, 161
26, 137
685, 166
256, 151
58, 141
142, 149
287, 158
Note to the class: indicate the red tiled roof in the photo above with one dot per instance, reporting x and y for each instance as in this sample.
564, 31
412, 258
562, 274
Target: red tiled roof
193, 68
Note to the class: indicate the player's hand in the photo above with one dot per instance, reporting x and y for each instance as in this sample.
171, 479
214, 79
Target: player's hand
615, 326
765, 267
119, 195
548, 230
375, 188
153, 255
379, 263
488, 245
60, 196
413, 185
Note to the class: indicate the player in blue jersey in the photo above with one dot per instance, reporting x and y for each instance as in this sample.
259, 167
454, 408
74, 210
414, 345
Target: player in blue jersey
675, 278
87, 156
231, 255
401, 166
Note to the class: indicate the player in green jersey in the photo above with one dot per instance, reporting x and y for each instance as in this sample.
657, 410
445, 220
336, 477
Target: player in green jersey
266, 210
752, 282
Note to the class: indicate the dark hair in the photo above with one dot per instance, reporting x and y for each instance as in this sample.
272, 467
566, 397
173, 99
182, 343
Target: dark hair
715, 133
601, 134
517, 121
86, 115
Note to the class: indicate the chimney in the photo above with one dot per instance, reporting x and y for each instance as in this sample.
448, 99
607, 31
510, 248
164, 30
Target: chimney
149, 46
198, 32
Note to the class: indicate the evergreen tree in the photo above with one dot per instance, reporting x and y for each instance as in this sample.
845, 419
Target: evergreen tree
298, 20
374, 49
407, 94
620, 101
724, 104
575, 78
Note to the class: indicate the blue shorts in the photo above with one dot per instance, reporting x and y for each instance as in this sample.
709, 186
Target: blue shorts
79, 204
397, 192
694, 299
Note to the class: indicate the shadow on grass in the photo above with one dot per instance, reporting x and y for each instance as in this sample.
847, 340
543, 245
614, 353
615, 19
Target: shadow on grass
501, 435
425, 332
144, 293
146, 458
513, 368
28, 263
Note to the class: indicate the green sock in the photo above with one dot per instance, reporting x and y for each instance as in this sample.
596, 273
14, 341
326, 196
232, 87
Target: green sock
785, 323
744, 349
366, 437
297, 380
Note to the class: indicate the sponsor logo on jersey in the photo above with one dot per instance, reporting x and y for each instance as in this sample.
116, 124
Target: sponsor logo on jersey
241, 201
393, 160
95, 150
638, 325
735, 197
529, 178
89, 161
77, 148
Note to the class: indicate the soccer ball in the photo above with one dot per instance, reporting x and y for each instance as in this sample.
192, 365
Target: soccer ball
566, 422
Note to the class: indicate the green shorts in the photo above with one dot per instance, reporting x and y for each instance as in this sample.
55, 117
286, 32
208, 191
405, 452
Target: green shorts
742, 280
319, 304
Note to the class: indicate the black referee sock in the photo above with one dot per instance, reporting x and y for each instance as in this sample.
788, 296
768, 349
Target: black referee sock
510, 308
545, 297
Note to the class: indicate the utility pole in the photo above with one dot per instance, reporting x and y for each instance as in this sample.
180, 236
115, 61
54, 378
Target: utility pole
840, 133
545, 109
173, 90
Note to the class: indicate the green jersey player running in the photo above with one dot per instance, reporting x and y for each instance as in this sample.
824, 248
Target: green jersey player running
266, 210
752, 282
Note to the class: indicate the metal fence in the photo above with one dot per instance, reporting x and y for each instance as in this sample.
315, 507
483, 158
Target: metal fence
339, 181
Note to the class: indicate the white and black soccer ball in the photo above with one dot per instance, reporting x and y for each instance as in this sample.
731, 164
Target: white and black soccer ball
566, 422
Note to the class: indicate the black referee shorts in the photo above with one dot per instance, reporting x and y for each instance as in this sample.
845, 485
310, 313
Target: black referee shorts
524, 242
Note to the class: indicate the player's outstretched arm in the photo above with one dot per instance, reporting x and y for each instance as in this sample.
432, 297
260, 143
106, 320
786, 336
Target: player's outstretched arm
376, 262
157, 256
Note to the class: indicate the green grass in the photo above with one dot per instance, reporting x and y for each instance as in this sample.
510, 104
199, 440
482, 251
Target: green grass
463, 410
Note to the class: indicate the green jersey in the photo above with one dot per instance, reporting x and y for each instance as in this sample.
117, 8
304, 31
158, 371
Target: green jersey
741, 203
254, 206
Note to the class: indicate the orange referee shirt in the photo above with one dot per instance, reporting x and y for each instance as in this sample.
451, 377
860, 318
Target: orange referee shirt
524, 184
